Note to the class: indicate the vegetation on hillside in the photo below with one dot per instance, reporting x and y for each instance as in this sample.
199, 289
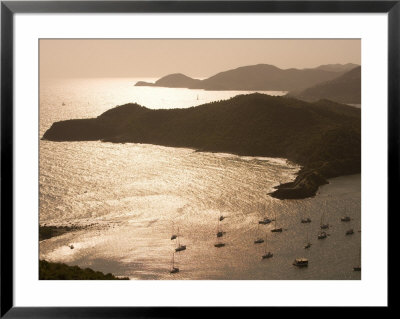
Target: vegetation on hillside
60, 271
324, 136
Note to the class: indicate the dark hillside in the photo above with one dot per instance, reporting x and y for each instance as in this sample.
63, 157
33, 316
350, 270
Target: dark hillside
323, 137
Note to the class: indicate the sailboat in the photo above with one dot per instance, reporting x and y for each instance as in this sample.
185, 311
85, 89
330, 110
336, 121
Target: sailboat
275, 229
219, 244
219, 231
345, 218
180, 247
265, 220
358, 268
266, 254
308, 244
322, 224
322, 235
173, 268
300, 262
174, 235
259, 240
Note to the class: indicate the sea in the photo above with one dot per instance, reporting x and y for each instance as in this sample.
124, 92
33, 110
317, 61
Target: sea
129, 199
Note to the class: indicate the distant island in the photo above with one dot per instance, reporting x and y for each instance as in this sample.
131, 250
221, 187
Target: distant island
323, 137
344, 89
261, 77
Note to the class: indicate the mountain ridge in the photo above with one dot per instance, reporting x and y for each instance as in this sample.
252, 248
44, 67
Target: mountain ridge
343, 89
264, 77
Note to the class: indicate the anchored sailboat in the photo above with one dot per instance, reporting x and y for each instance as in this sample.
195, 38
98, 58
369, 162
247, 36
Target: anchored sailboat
179, 247
267, 254
174, 235
266, 220
308, 244
219, 231
323, 225
219, 244
173, 268
306, 220
322, 235
259, 240
276, 229
300, 262
358, 268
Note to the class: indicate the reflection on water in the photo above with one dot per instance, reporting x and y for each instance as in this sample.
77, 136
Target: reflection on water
132, 197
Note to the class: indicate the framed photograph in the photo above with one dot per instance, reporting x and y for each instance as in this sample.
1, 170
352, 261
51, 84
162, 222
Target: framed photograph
162, 155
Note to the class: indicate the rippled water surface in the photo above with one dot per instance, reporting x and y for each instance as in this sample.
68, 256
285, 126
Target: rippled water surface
130, 199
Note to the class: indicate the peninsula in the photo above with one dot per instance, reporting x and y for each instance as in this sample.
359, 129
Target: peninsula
323, 137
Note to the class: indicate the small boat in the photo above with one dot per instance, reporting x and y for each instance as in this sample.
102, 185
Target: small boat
300, 262
276, 229
174, 269
180, 247
308, 244
358, 267
218, 245
306, 220
323, 225
350, 232
345, 219
259, 240
322, 235
267, 254
265, 221
174, 236
219, 231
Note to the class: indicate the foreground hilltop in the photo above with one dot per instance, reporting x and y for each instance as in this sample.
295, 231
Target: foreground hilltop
262, 77
323, 137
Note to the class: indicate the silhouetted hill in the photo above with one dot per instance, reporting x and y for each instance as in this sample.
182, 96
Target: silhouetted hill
176, 80
262, 77
60, 271
337, 67
324, 137
344, 89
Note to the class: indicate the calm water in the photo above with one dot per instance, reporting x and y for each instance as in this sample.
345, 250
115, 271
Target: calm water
132, 197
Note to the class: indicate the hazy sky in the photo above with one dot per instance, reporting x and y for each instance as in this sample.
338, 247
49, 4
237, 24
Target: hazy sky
196, 58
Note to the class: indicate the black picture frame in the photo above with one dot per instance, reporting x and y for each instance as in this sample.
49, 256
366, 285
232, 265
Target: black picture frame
9, 8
